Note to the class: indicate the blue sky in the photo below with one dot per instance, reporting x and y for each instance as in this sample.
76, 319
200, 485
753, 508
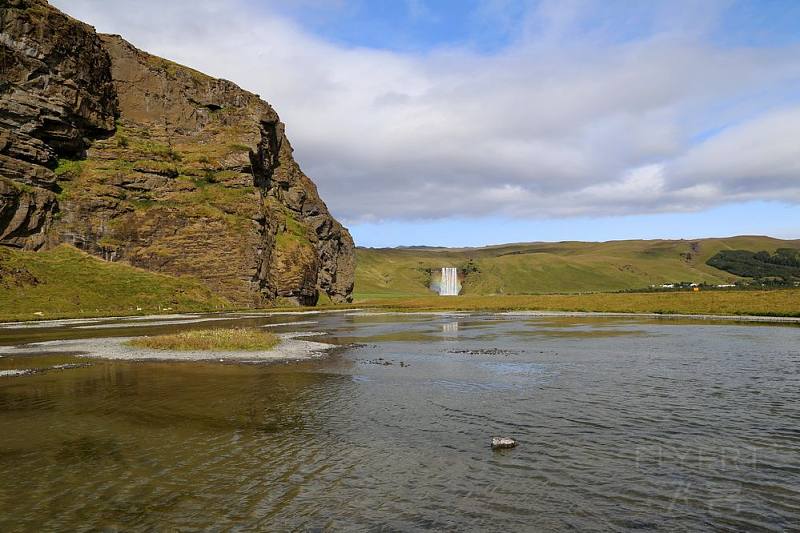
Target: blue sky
756, 218
486, 121
419, 25
408, 26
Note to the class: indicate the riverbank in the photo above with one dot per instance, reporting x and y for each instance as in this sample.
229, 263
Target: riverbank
775, 303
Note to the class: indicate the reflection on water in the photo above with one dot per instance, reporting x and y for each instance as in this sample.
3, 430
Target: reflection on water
623, 424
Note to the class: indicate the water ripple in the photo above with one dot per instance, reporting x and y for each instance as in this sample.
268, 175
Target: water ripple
671, 428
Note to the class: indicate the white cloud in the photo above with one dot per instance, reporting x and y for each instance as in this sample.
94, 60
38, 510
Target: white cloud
556, 124
759, 156
645, 181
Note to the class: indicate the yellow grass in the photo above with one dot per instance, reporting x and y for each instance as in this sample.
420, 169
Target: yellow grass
769, 303
236, 339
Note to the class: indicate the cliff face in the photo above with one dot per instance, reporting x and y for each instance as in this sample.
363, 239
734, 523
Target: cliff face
195, 177
56, 95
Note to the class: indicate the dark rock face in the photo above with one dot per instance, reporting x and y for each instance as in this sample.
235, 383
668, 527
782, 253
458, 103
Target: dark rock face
25, 214
196, 178
55, 96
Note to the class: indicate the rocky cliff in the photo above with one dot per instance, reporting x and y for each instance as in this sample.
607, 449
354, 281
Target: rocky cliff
56, 95
134, 158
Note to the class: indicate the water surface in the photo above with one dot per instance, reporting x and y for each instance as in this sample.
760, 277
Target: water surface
623, 424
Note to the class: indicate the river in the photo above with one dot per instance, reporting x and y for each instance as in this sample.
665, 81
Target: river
622, 423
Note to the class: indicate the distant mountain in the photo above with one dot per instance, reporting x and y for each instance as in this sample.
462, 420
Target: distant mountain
548, 267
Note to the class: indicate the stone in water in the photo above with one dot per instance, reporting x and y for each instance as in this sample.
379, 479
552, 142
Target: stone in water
499, 443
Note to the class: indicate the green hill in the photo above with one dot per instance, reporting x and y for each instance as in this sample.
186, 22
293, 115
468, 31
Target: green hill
67, 282
561, 267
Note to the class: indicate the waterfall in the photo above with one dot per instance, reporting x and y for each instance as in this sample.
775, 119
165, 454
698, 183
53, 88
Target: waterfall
449, 285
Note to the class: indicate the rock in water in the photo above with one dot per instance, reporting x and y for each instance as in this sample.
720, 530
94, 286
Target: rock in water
500, 443
157, 164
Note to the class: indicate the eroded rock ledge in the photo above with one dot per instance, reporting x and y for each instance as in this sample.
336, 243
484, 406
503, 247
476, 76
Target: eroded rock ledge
132, 157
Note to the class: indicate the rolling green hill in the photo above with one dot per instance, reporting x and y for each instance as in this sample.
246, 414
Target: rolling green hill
562, 267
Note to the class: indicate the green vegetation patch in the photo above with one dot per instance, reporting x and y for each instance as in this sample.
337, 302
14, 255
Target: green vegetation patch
220, 339
783, 264
22, 187
173, 69
67, 282
239, 147
72, 167
296, 233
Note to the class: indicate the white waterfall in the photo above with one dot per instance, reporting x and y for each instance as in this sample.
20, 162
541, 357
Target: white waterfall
449, 285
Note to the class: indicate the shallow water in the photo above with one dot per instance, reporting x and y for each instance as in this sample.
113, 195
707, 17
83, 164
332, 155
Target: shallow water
623, 424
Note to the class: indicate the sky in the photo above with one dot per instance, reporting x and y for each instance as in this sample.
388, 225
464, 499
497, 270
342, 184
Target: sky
472, 122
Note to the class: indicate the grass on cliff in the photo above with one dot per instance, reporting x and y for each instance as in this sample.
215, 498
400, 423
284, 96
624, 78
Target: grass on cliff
768, 303
67, 282
235, 339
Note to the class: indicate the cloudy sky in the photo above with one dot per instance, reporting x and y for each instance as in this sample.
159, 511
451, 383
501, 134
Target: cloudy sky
468, 122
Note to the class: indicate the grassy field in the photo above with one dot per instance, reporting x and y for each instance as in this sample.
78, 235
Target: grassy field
541, 268
220, 339
65, 282
767, 303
